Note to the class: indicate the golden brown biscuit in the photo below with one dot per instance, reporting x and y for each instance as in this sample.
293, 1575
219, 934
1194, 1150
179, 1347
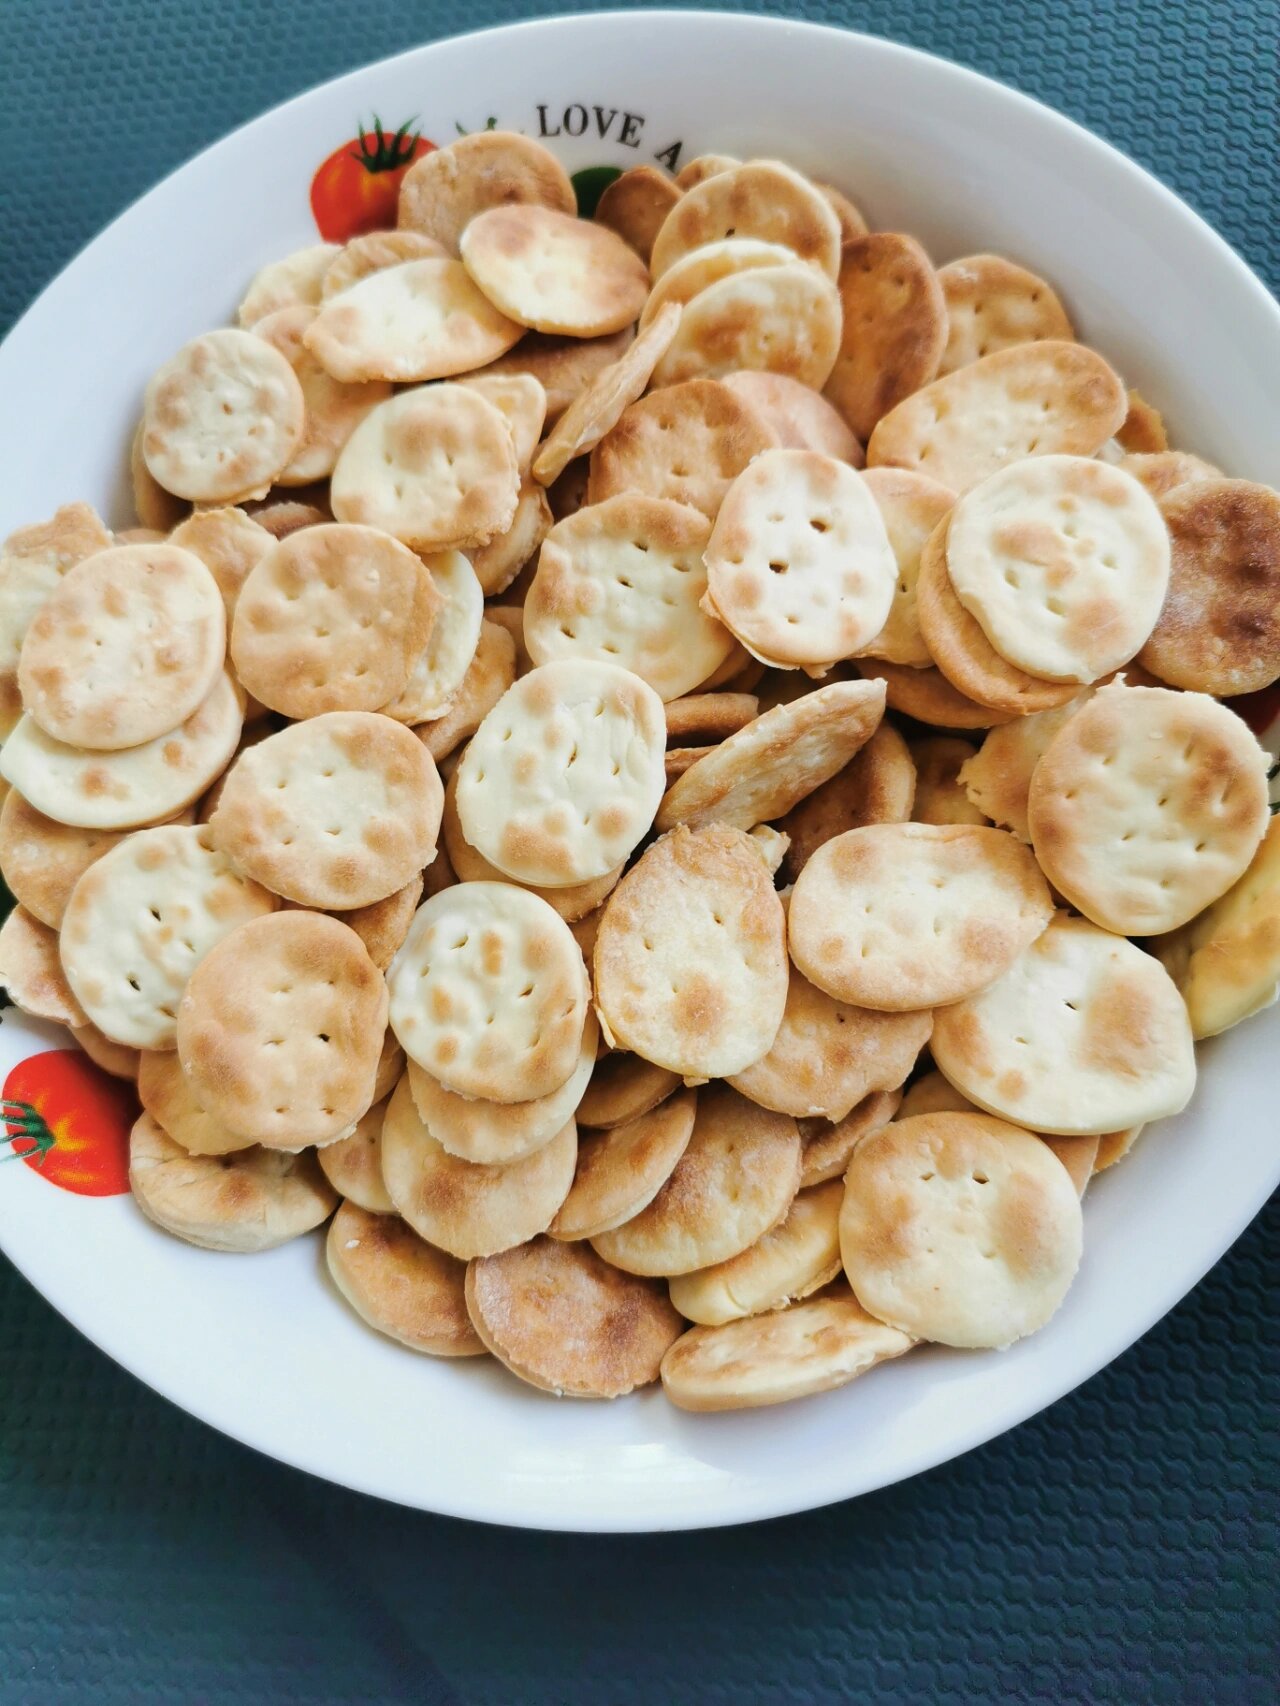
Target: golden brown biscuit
399, 1284
895, 327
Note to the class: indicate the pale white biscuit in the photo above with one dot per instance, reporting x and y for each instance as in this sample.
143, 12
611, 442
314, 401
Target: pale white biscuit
564, 775
296, 280
32, 972
799, 565
489, 993
997, 778
139, 922
372, 251
32, 562
553, 272
229, 543
333, 408
353, 1165
707, 265
444, 191
1084, 1033
800, 417
622, 581
489, 674
783, 319
621, 1170
169, 1096
521, 400
793, 1259
911, 506
993, 303
764, 199
440, 668
502, 559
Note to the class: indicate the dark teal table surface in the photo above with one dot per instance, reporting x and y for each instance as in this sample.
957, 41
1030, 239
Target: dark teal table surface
1120, 1548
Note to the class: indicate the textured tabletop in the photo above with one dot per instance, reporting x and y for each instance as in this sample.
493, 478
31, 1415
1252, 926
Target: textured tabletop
1120, 1548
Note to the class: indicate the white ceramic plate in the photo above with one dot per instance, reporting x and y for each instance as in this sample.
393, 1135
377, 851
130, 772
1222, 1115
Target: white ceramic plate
263, 1348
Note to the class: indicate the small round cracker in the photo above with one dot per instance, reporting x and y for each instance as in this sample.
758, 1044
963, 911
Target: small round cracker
623, 1086
933, 1095
792, 1260
222, 418
783, 319
929, 697
295, 281
154, 507
828, 1056
562, 778
1147, 806
1030, 400
815, 1346
1064, 562
372, 251
690, 959
911, 915
254, 1200
435, 467
997, 778
32, 972
353, 1165
911, 506
120, 790
281, 1028
423, 319
707, 265
440, 667
991, 304
959, 1229
1084, 1033
1219, 630
333, 408
459, 1206
876, 786
940, 795
336, 812
229, 543
127, 646
140, 920
800, 417
799, 564
1162, 472
281, 516
827, 1148
622, 581
737, 1177
112, 1057
704, 166
894, 327
168, 1095
684, 442
621, 1170
42, 861
444, 191
566, 1322
762, 771
489, 993
497, 1133
490, 672
332, 619
506, 555
383, 925
635, 205
764, 199
709, 717
553, 272
561, 366
398, 1283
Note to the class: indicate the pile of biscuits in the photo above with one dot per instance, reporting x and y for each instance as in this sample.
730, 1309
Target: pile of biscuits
670, 768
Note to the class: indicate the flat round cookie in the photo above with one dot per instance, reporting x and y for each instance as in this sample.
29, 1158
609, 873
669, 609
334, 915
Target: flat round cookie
423, 319
737, 1177
562, 366
710, 717
491, 671
336, 812
621, 1170
940, 795
563, 777
112, 1057
815, 1346
222, 418
933, 1095
154, 507
828, 1148
489, 993
1147, 806
1226, 962
961, 648
167, 1094
763, 199
635, 206
684, 442
440, 667
383, 925
799, 564
997, 778
281, 1029
852, 224
959, 1229
397, 1283
120, 790
332, 619
877, 785
444, 191
372, 251
553, 272
566, 1322
792, 1260
434, 467
783, 319
502, 559
828, 1056
1064, 561
32, 972
1219, 630
126, 647
912, 915
1084, 1033
521, 400
333, 408
497, 1133
1030, 400
894, 322
704, 166
690, 959
32, 562
929, 697
707, 265
229, 543
800, 417
42, 860
254, 1200
295, 281
141, 919
759, 773
1161, 472
623, 1086
911, 506
621, 581
466, 1209
991, 304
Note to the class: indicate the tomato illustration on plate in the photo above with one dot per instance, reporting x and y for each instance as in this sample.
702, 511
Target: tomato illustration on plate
358, 186
69, 1121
